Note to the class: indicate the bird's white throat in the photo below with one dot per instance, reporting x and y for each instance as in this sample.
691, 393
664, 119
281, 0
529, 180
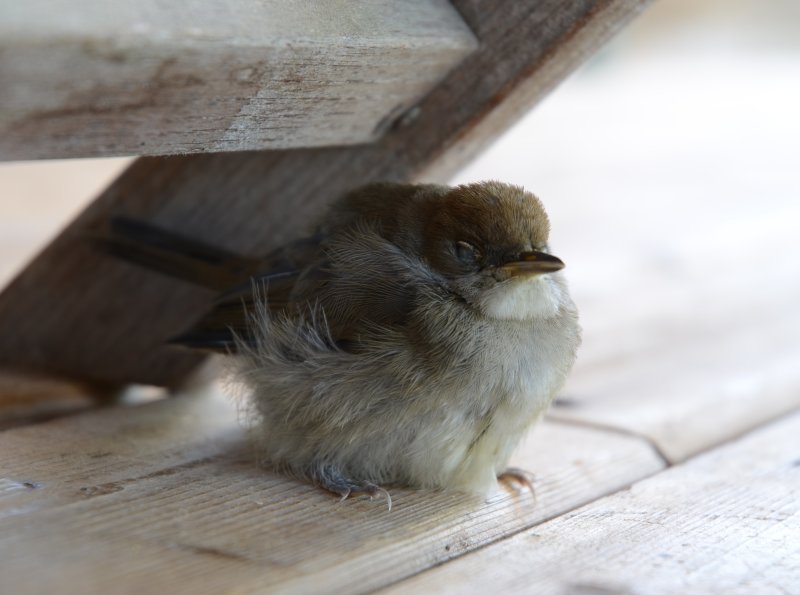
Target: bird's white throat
523, 299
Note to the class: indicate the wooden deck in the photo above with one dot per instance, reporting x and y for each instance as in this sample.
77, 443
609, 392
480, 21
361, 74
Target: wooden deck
164, 497
670, 464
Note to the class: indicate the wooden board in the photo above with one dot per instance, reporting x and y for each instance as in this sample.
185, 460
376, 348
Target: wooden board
696, 342
164, 498
75, 312
725, 522
145, 77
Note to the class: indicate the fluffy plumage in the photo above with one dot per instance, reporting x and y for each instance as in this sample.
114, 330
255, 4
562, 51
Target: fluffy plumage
412, 338
394, 364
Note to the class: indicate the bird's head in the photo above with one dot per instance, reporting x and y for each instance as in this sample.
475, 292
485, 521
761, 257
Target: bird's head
486, 242
489, 241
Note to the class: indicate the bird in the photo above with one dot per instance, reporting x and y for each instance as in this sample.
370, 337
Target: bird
412, 338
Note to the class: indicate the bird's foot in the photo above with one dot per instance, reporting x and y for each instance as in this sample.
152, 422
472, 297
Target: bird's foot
333, 480
519, 477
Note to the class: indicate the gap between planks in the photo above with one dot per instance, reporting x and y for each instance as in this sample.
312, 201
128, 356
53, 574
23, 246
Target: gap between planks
587, 423
623, 431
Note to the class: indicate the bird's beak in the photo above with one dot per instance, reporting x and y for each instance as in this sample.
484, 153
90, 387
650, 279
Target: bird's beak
532, 263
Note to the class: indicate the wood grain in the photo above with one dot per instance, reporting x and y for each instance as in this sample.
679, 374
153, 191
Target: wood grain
725, 522
83, 78
26, 399
697, 342
164, 497
75, 312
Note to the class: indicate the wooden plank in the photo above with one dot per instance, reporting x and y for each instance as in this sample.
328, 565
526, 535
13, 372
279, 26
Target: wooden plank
164, 497
78, 313
146, 77
27, 399
697, 342
107, 447
725, 522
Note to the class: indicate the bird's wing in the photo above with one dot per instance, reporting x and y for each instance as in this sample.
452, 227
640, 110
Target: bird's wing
357, 281
270, 286
172, 253
370, 285
359, 284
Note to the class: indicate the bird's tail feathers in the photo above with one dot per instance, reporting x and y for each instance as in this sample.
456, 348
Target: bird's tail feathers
173, 254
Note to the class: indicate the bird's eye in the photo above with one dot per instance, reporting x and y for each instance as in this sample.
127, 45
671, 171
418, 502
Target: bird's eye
466, 252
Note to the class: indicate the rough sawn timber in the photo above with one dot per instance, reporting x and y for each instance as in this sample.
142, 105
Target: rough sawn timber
75, 312
143, 77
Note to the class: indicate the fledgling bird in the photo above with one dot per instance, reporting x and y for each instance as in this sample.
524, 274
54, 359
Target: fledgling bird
412, 339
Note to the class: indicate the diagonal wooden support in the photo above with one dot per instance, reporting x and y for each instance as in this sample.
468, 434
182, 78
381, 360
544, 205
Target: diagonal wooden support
78, 313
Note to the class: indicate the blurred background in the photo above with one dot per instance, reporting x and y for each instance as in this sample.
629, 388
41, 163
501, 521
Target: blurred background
669, 164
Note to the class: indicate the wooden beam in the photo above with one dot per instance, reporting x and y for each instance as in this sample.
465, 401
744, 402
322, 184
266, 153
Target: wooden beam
144, 77
78, 313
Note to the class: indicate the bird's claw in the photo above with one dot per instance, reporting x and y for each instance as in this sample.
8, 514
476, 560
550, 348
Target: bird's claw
518, 476
334, 481
369, 489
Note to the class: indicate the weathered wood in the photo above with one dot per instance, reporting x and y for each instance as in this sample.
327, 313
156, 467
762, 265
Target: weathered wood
725, 522
145, 77
522, 65
698, 340
26, 399
104, 446
76, 312
164, 497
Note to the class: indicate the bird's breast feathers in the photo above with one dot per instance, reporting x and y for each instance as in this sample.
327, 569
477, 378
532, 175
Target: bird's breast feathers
523, 299
515, 371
